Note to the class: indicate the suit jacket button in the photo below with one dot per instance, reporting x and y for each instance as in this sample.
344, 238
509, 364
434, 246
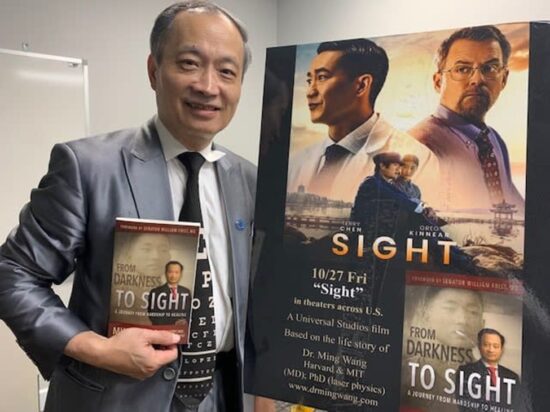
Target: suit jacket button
169, 374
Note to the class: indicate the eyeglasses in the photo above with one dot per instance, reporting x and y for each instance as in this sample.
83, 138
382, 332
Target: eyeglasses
462, 72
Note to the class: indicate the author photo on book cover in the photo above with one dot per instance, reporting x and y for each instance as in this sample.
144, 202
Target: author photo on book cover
486, 382
170, 303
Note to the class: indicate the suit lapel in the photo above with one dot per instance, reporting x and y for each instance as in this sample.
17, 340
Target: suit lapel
238, 226
229, 192
146, 171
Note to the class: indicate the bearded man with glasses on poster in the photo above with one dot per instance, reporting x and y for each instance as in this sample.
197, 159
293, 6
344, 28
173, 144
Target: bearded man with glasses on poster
475, 167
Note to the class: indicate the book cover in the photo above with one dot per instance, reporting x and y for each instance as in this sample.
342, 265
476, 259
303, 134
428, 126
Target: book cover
455, 328
153, 275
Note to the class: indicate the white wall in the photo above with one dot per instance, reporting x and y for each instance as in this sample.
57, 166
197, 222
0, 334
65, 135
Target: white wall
113, 37
311, 21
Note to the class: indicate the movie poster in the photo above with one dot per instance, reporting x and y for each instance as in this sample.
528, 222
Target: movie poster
390, 169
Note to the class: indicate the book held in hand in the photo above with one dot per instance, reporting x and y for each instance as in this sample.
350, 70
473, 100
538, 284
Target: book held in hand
153, 275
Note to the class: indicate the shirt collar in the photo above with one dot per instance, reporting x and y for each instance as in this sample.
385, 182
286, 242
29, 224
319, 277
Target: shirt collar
172, 148
487, 365
458, 122
356, 139
382, 178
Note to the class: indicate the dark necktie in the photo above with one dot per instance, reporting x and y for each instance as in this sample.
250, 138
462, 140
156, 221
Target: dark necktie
323, 180
199, 356
489, 165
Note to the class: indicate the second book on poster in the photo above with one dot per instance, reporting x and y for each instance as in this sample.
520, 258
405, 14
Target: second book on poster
153, 276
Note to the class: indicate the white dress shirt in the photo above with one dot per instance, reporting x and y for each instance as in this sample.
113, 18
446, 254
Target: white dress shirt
487, 366
353, 142
215, 226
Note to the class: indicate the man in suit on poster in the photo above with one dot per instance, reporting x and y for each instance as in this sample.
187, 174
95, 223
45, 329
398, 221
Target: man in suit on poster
170, 303
499, 386
196, 67
475, 166
344, 80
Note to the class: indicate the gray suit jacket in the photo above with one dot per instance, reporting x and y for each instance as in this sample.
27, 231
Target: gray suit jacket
68, 226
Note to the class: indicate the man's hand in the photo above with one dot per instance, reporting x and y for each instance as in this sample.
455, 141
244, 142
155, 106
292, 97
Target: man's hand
129, 352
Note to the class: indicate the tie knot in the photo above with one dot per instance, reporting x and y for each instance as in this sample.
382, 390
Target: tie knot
334, 153
482, 140
192, 161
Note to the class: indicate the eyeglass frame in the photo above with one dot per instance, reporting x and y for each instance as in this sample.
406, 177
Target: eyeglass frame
500, 68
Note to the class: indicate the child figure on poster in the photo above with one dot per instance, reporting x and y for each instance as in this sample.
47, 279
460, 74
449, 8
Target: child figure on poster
409, 166
380, 196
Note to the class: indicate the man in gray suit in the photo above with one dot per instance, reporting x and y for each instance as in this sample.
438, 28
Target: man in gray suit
197, 62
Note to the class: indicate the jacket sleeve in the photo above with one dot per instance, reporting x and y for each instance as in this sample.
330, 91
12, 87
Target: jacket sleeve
43, 250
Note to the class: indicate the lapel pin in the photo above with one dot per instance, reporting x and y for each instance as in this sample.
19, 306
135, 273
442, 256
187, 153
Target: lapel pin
239, 224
